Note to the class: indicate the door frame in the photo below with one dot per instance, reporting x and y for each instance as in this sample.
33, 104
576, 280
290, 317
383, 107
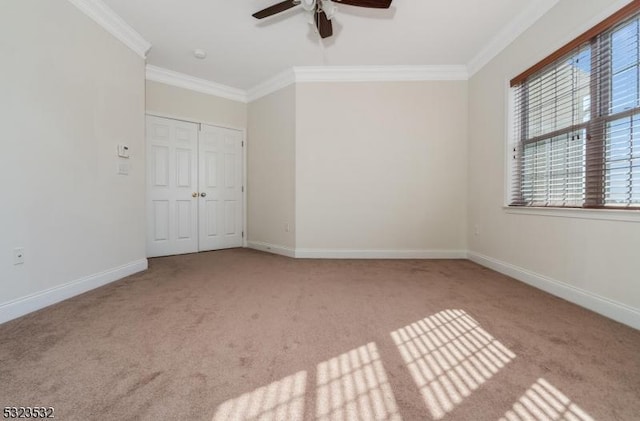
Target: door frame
243, 132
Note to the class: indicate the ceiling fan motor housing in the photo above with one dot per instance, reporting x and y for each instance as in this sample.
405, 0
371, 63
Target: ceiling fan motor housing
329, 8
308, 5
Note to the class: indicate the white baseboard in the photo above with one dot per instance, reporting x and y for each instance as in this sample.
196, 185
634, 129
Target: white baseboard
356, 254
379, 254
272, 248
24, 305
609, 308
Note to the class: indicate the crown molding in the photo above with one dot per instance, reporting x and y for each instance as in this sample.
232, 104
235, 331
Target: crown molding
181, 80
509, 33
279, 81
580, 29
308, 74
114, 24
356, 74
379, 73
607, 12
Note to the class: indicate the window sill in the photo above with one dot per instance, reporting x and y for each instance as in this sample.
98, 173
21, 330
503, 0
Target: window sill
601, 214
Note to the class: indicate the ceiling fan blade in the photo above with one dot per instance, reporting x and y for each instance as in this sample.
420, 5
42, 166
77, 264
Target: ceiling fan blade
325, 28
276, 8
374, 4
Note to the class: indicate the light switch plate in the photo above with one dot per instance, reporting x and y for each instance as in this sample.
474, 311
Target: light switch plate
123, 151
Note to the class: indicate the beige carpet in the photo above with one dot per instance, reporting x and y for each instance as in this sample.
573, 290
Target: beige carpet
240, 334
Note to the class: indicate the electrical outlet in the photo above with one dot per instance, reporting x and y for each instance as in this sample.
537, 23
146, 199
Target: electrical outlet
122, 168
18, 256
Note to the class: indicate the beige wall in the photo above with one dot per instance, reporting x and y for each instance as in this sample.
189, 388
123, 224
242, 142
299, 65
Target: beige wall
171, 101
271, 169
70, 92
596, 256
381, 166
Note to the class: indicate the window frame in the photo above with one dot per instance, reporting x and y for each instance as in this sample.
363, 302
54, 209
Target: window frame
601, 117
604, 214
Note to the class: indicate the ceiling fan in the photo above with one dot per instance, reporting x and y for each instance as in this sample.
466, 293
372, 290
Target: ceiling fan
323, 10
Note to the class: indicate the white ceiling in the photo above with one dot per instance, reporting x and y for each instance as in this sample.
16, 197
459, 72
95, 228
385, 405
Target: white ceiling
243, 51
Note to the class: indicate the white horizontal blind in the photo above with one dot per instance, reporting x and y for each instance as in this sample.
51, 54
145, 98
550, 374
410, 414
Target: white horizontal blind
552, 110
577, 126
622, 134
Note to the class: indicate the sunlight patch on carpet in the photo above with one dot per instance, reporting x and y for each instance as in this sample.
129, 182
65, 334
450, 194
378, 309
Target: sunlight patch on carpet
280, 400
541, 402
449, 356
354, 386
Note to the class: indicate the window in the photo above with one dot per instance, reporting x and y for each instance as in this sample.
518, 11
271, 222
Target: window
577, 121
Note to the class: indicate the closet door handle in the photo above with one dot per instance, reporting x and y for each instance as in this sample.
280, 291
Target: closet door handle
203, 194
194, 194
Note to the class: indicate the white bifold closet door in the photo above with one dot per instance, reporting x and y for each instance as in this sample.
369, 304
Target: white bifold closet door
194, 187
220, 181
